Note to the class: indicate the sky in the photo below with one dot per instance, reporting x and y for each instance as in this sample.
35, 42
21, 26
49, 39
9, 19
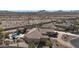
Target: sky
39, 4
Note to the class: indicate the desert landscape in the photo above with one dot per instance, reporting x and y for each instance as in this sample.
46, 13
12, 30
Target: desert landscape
39, 29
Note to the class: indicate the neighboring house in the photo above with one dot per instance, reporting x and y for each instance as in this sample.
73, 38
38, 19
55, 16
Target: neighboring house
35, 35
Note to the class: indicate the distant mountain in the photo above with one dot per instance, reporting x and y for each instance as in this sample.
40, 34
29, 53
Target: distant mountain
41, 12
6, 12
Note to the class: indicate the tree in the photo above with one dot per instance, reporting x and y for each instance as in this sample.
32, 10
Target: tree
31, 45
1, 33
41, 43
49, 43
6, 34
1, 36
76, 25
